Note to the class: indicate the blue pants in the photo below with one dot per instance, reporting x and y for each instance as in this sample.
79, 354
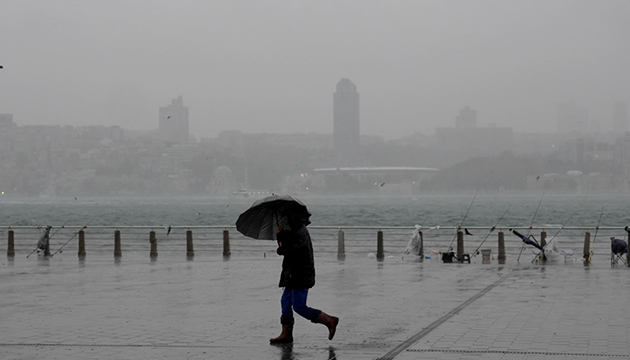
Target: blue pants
295, 299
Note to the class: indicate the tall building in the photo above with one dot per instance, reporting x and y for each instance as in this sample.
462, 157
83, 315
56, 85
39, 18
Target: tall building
346, 133
174, 122
6, 121
620, 118
467, 118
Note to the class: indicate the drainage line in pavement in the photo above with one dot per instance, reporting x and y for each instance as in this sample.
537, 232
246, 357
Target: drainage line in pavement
513, 352
424, 332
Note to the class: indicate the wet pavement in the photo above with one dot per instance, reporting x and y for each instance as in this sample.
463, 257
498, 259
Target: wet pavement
209, 308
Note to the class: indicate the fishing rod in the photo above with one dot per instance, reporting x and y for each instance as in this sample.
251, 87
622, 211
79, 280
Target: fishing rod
590, 254
554, 236
450, 248
75, 234
491, 230
50, 237
530, 226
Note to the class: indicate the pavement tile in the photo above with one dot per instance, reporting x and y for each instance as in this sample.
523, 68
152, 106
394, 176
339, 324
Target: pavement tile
173, 308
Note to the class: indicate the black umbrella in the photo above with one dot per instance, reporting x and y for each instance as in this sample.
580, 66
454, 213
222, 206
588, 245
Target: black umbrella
526, 239
261, 219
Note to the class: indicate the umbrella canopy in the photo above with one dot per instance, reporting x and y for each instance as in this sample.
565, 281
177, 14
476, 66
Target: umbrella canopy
261, 219
526, 240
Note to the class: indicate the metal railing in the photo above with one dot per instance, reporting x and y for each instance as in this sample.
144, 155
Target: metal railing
382, 241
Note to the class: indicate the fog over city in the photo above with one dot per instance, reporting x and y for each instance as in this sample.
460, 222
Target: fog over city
272, 66
397, 97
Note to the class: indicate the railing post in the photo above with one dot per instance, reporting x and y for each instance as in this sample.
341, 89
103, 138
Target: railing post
380, 253
587, 244
543, 242
226, 244
153, 242
11, 245
501, 257
190, 252
421, 247
460, 245
117, 249
341, 245
81, 244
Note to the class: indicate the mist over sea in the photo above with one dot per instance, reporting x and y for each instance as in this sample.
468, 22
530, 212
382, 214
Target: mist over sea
426, 210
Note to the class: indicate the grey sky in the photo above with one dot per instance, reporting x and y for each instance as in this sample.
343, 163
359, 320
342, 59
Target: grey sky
272, 66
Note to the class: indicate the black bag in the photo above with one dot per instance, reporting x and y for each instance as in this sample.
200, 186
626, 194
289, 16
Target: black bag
448, 257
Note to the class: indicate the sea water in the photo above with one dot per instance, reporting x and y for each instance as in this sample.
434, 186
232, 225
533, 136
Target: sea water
425, 210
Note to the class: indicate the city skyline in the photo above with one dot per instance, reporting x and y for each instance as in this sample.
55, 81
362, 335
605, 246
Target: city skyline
269, 67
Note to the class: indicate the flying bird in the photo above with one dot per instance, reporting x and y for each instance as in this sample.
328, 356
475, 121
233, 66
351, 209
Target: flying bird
467, 232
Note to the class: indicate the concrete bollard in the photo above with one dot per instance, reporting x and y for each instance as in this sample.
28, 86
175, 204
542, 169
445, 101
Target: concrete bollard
190, 252
154, 253
501, 257
341, 245
11, 245
226, 244
117, 249
587, 244
421, 247
485, 256
81, 243
380, 252
460, 246
543, 242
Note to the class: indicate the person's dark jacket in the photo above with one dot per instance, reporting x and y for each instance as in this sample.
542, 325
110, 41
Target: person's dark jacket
298, 266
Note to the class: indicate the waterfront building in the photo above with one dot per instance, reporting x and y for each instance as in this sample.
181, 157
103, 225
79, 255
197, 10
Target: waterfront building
6, 121
346, 120
174, 122
621, 157
467, 118
468, 139
620, 117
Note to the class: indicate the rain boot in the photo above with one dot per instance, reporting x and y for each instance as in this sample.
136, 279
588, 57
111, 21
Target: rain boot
286, 337
330, 322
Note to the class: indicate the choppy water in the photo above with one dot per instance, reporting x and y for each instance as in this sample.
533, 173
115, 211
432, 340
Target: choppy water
430, 210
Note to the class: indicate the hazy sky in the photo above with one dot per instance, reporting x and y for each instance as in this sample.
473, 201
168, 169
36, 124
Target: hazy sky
272, 66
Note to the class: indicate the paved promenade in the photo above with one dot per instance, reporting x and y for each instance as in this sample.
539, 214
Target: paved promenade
61, 308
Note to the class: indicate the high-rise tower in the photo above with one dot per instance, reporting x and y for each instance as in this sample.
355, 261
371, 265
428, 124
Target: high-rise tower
174, 122
346, 133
